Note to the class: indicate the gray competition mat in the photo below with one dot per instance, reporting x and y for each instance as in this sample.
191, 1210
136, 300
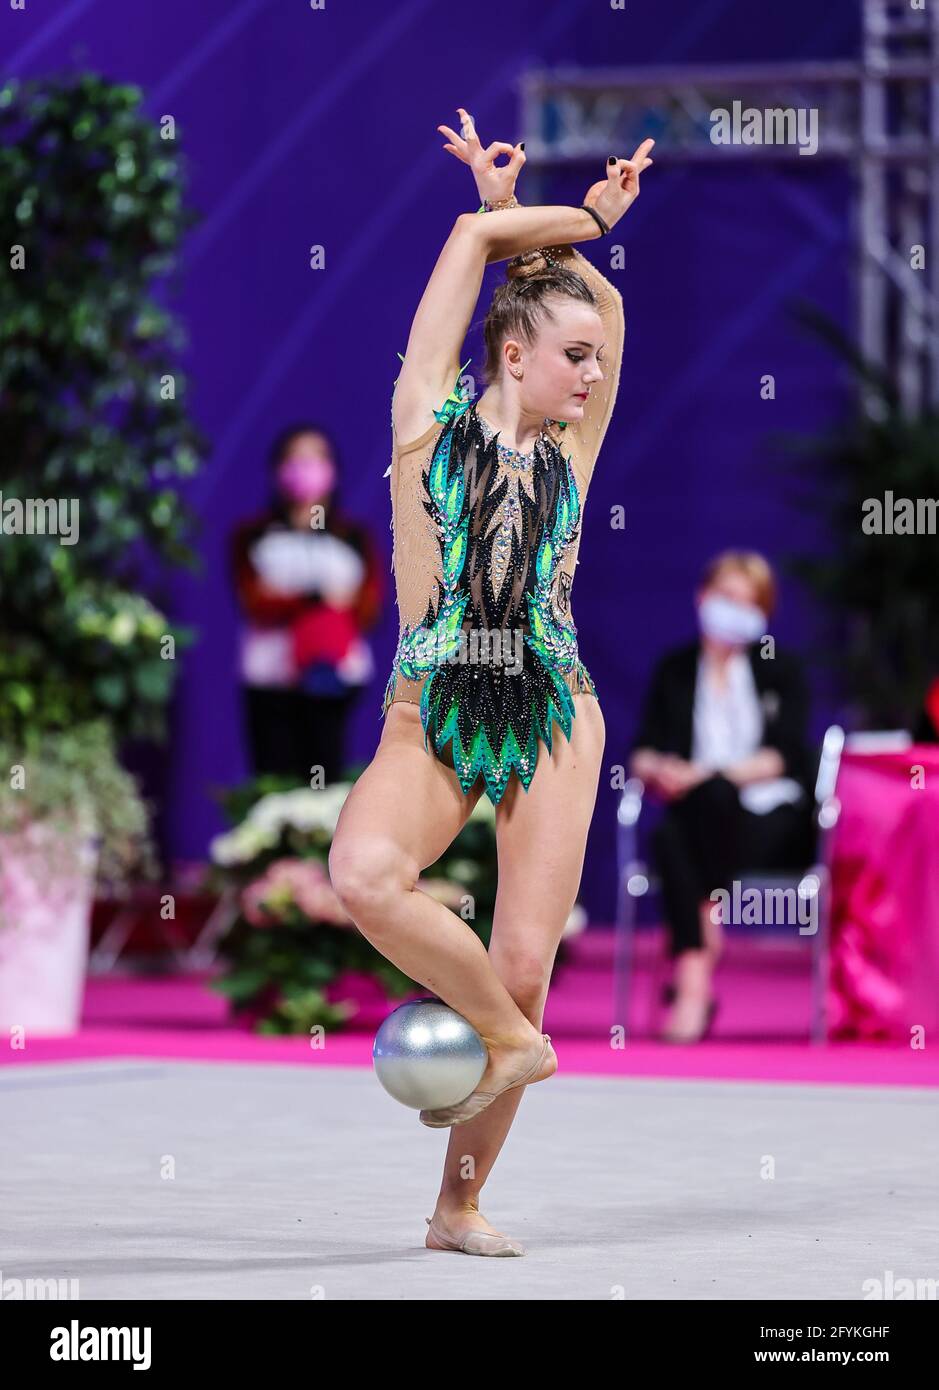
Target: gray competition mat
168, 1180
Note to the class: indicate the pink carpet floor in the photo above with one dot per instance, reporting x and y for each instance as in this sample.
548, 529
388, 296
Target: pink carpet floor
761, 1032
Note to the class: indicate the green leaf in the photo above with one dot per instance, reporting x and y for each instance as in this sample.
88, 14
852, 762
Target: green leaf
152, 679
111, 689
242, 985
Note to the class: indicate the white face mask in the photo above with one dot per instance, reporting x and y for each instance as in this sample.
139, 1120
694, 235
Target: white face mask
726, 620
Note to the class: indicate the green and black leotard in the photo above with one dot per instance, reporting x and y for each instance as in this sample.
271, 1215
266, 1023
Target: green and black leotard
484, 553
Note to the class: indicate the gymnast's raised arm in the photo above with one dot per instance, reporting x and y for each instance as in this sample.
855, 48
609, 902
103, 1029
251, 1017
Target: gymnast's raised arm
432, 357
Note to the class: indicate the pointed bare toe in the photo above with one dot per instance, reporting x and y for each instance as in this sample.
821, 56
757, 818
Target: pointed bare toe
474, 1242
480, 1100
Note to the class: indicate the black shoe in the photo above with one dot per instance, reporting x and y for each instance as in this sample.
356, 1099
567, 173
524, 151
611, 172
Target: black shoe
709, 1023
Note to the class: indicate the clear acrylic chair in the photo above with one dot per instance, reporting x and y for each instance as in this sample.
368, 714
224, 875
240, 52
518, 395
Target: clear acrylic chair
813, 887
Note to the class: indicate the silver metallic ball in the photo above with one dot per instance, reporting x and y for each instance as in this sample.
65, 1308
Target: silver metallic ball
426, 1055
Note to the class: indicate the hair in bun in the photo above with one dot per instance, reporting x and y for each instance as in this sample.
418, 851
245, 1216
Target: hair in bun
519, 304
528, 266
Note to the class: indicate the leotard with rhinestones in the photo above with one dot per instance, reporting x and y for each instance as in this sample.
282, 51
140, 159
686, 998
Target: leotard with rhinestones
485, 546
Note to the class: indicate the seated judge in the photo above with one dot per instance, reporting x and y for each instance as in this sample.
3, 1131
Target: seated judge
722, 741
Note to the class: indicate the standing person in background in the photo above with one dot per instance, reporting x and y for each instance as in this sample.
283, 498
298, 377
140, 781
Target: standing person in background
309, 585
722, 740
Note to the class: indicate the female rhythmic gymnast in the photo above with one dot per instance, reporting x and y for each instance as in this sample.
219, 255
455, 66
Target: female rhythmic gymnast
486, 508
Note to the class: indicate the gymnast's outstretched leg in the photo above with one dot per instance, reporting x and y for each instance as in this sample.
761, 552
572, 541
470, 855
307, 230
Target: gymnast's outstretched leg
541, 837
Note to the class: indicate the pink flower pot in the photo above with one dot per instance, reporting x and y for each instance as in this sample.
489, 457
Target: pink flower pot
46, 894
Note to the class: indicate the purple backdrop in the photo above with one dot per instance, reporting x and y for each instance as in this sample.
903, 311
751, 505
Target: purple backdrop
306, 127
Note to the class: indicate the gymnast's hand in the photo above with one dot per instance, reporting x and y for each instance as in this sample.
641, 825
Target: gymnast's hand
493, 182
616, 193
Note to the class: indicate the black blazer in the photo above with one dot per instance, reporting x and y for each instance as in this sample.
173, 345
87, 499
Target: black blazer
666, 723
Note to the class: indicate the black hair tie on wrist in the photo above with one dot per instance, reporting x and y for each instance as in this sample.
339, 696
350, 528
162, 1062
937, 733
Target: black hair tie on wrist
604, 229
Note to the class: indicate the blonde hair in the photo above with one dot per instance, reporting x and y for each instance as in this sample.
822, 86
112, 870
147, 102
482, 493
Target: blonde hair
519, 305
751, 564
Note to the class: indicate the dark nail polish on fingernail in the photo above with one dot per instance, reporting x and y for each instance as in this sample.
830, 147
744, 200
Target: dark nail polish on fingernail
612, 159
522, 145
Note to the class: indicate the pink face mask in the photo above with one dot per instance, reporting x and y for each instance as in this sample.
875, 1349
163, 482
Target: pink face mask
306, 477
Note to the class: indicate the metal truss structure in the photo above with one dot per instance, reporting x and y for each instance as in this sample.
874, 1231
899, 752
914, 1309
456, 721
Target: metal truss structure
880, 113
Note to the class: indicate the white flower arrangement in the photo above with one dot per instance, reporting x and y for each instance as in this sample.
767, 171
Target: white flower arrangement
305, 809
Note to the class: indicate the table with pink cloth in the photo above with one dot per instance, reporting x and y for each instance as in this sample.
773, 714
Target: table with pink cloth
883, 977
